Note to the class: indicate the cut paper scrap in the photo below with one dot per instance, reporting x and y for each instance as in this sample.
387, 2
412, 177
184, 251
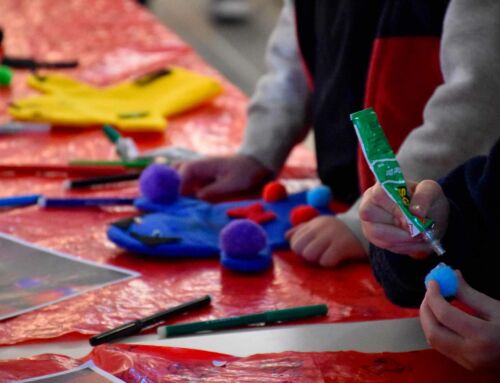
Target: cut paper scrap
136, 105
85, 373
137, 363
32, 277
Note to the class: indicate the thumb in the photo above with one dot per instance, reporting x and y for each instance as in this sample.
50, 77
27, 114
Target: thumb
425, 194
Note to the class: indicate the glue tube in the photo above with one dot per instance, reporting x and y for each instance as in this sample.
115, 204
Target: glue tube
385, 167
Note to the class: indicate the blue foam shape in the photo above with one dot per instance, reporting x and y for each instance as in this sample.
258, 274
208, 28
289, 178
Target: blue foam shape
260, 262
446, 278
319, 197
198, 224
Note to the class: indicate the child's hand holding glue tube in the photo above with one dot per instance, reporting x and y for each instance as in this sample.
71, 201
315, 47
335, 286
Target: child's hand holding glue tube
386, 227
383, 163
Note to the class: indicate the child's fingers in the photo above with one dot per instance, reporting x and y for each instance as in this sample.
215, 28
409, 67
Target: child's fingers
384, 234
291, 232
301, 237
375, 214
376, 196
439, 337
315, 249
426, 192
449, 316
195, 175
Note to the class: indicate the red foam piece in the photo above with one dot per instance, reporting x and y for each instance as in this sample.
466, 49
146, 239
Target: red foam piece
302, 214
274, 191
254, 212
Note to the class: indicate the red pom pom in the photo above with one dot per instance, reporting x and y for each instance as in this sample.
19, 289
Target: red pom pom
273, 192
302, 213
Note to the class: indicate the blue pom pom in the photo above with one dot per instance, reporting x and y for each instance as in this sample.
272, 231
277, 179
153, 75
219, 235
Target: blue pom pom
242, 238
446, 278
160, 183
319, 197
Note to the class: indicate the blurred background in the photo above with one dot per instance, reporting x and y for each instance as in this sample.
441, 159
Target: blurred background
230, 35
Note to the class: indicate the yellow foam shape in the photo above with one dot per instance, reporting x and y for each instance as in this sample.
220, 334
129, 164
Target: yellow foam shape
136, 106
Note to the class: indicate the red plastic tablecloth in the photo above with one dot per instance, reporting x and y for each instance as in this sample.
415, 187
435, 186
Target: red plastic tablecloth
138, 364
115, 39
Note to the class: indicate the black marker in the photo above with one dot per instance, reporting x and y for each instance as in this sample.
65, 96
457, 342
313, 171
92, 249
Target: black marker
88, 182
136, 326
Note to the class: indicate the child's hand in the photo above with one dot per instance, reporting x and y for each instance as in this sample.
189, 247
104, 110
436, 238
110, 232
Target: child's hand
472, 341
325, 240
215, 178
384, 225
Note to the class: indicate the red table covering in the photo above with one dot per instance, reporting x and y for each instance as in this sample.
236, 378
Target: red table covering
151, 364
113, 40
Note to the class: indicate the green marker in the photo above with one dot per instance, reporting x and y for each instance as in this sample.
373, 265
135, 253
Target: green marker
137, 163
5, 75
125, 147
385, 167
266, 317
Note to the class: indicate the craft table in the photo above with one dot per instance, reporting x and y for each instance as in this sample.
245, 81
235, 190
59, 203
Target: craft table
395, 335
115, 40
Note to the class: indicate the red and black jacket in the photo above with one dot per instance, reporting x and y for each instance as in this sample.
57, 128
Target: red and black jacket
360, 53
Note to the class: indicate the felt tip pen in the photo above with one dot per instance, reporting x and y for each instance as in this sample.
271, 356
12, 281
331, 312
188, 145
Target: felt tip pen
136, 163
18, 201
19, 127
136, 326
102, 180
54, 169
283, 315
125, 147
83, 202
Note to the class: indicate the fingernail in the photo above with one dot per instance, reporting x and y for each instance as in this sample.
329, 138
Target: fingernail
417, 209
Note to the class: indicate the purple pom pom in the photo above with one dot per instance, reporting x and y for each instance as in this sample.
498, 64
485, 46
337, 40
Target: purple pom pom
160, 183
242, 238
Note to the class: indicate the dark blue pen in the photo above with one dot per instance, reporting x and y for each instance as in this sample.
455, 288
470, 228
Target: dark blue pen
84, 202
22, 200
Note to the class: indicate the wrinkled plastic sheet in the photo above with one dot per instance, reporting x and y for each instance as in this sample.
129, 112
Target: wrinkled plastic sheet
113, 40
152, 364
351, 292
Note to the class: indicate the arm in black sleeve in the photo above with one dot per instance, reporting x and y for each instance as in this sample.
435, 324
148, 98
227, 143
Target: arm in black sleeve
473, 190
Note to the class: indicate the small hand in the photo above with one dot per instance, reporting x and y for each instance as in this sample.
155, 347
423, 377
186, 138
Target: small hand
215, 178
472, 341
384, 225
325, 240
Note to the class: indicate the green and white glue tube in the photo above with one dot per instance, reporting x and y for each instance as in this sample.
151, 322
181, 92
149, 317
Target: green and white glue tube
385, 167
